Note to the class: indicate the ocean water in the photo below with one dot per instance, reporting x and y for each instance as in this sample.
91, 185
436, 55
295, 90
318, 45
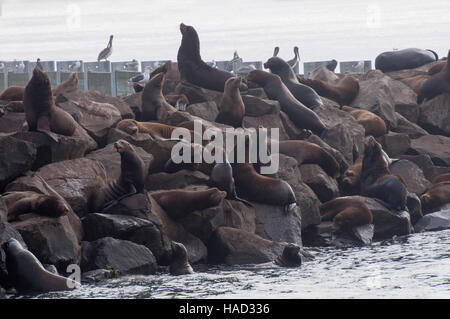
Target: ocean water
149, 30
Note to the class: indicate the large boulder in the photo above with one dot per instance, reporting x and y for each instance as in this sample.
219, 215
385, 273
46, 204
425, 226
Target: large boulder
134, 101
123, 256
325, 235
255, 106
51, 240
11, 122
395, 144
197, 94
205, 110
235, 246
439, 220
435, 115
16, 157
138, 230
267, 121
180, 179
324, 186
412, 175
436, 146
424, 162
411, 129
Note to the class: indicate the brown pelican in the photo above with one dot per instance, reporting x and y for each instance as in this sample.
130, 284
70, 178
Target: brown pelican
293, 62
275, 51
106, 52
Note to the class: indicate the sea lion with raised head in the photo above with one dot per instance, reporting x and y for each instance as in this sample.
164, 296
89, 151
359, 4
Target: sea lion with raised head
346, 213
153, 98
41, 112
298, 113
290, 257
27, 274
404, 59
68, 86
376, 179
303, 93
232, 108
178, 203
193, 69
179, 263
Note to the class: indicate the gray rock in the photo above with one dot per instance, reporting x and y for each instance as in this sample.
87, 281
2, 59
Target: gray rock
267, 121
324, 186
205, 110
11, 122
326, 236
435, 115
412, 175
435, 221
414, 207
436, 146
411, 129
255, 106
424, 162
122, 256
395, 144
180, 179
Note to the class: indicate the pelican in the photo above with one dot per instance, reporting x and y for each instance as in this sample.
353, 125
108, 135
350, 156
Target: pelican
106, 52
39, 65
293, 62
276, 50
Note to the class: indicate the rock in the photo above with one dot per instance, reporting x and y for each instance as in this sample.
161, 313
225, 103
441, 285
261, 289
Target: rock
16, 157
137, 230
255, 106
85, 97
258, 92
196, 94
205, 110
343, 162
75, 180
110, 159
137, 205
325, 187
424, 162
95, 117
326, 236
180, 179
344, 133
435, 115
410, 112
395, 144
387, 223
11, 122
414, 207
94, 276
306, 198
267, 121
412, 175
404, 126
134, 101
68, 147
229, 213
438, 147
122, 256
197, 251
235, 246
435, 221
51, 240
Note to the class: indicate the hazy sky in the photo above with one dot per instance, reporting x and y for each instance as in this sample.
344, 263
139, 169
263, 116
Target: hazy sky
149, 30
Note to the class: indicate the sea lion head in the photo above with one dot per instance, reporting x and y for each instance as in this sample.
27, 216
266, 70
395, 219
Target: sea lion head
259, 77
128, 126
122, 146
11, 244
52, 206
233, 83
425, 200
332, 65
157, 81
216, 196
290, 256
40, 79
275, 64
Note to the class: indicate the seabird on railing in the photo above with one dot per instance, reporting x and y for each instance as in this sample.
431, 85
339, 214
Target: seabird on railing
141, 78
106, 52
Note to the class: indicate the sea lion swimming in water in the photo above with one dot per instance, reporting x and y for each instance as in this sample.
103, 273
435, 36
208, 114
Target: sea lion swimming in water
290, 257
179, 264
27, 274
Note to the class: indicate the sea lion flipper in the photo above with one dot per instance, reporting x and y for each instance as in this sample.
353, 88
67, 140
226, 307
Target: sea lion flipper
52, 135
117, 200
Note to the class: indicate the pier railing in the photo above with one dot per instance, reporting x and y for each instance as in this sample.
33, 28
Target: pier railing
112, 78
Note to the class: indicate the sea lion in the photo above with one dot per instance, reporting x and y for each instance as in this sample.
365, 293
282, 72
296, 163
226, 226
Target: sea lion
179, 203
179, 264
41, 112
153, 128
232, 108
376, 179
372, 123
137, 87
404, 59
415, 82
290, 257
179, 101
298, 113
153, 98
68, 86
435, 197
437, 84
442, 178
15, 106
331, 65
13, 93
346, 213
193, 69
437, 67
19, 203
131, 180
351, 179
303, 93
27, 274
170, 69
308, 153
343, 91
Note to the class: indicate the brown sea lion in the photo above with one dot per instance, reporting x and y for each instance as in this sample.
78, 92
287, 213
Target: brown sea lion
437, 84
179, 101
298, 113
41, 112
372, 123
153, 98
376, 179
137, 87
437, 67
435, 197
193, 69
351, 179
13, 93
68, 86
170, 69
178, 203
15, 106
346, 213
301, 92
404, 59
27, 274
18, 203
343, 91
442, 178
309, 153
232, 108
179, 263
290, 257
153, 128
131, 180
415, 82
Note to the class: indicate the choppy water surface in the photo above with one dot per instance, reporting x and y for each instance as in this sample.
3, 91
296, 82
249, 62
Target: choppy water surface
415, 266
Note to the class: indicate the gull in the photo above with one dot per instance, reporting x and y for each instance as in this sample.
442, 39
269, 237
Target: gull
141, 78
